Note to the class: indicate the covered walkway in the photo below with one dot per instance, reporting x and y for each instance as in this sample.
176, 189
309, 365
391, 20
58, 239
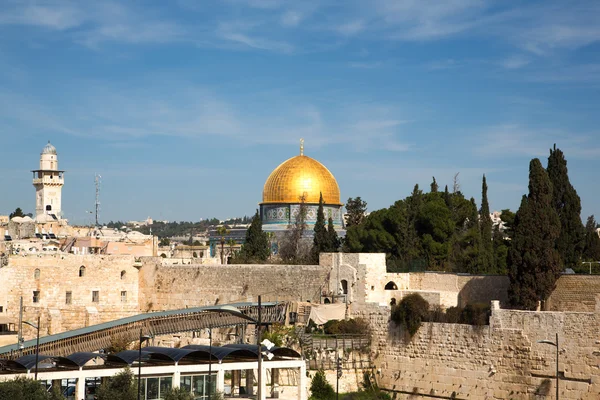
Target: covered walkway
162, 368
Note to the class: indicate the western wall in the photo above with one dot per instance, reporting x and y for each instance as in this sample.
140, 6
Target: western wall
501, 360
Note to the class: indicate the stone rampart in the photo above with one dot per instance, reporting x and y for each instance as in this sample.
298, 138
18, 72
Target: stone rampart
498, 361
44, 281
166, 287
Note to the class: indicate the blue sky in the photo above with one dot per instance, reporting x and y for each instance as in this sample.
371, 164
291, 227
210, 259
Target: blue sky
184, 107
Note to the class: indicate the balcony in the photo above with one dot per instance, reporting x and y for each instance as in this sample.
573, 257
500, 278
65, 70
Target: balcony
46, 180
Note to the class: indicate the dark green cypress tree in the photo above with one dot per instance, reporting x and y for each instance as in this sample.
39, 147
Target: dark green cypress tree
320, 241
567, 204
333, 241
534, 261
592, 241
256, 248
486, 254
434, 186
447, 197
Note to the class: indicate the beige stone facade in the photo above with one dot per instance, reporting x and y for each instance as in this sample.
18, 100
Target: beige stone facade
499, 361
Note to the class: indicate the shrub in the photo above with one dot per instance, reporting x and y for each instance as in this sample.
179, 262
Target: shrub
178, 394
411, 312
356, 326
22, 388
320, 389
121, 386
476, 314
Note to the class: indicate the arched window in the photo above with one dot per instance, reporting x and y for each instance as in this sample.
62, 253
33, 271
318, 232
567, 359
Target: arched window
327, 301
81, 271
391, 286
344, 286
123, 273
36, 273
393, 301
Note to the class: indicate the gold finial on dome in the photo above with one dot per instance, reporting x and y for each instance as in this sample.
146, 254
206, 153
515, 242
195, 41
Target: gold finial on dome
301, 146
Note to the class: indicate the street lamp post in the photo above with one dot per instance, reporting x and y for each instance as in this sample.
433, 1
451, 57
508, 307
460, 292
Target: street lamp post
37, 344
209, 363
590, 262
143, 338
555, 344
258, 323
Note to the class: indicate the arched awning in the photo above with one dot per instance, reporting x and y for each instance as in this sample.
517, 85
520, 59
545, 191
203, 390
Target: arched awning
27, 362
221, 353
127, 357
80, 359
277, 351
177, 355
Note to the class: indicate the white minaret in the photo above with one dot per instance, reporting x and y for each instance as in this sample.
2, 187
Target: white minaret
48, 182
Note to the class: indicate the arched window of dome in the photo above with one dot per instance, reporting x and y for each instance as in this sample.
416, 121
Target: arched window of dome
36, 273
81, 271
123, 273
391, 286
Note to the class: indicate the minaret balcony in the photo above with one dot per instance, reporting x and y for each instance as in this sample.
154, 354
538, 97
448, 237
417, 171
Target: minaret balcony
46, 180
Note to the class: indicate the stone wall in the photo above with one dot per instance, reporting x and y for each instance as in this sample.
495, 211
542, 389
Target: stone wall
499, 361
165, 286
58, 274
574, 293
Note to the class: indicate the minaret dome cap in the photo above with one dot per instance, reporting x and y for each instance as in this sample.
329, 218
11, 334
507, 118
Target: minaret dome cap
49, 149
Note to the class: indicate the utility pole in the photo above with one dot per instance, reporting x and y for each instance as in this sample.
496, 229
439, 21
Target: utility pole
97, 181
20, 337
258, 332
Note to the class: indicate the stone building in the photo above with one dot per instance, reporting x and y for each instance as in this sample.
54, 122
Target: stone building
48, 181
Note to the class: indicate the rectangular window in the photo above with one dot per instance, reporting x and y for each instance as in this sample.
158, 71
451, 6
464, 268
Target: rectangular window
68, 298
36, 296
95, 296
123, 297
2, 310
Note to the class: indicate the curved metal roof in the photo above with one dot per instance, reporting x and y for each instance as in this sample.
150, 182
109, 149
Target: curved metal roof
178, 354
27, 362
222, 352
127, 357
80, 359
277, 351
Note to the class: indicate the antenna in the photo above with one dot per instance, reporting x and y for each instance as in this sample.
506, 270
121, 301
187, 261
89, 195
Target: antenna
97, 180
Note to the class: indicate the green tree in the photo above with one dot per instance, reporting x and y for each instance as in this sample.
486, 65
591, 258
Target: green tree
410, 312
256, 248
333, 240
222, 231
23, 389
164, 242
17, 213
567, 204
434, 186
508, 218
320, 389
534, 261
122, 386
592, 241
501, 246
355, 211
178, 394
320, 239
293, 248
486, 254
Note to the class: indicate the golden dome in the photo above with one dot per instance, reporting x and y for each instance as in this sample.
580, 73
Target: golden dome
301, 175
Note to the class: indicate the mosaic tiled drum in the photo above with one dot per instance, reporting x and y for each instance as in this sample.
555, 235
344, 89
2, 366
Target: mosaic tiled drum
298, 177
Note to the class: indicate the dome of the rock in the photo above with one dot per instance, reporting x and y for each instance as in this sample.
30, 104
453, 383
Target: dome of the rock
301, 176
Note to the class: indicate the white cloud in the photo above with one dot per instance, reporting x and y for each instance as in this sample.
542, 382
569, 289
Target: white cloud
365, 64
291, 18
515, 62
350, 28
515, 140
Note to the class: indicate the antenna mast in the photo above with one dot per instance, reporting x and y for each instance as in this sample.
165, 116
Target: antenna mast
97, 180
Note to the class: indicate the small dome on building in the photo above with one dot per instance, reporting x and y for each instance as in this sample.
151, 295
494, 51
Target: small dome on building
49, 149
